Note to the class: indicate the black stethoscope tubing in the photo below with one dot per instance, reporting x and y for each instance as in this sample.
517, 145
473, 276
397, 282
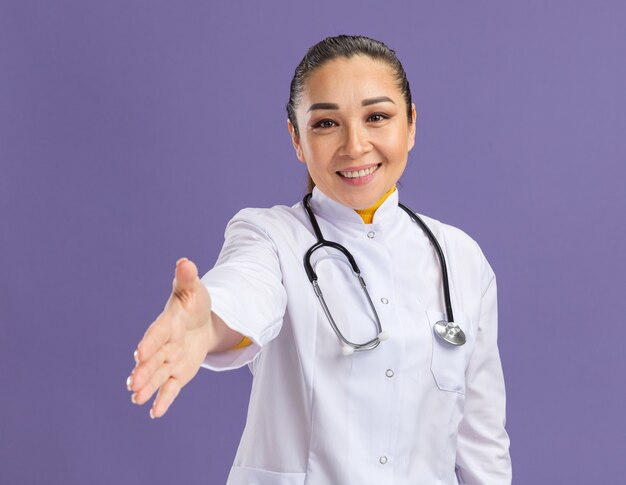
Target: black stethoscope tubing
322, 242
442, 259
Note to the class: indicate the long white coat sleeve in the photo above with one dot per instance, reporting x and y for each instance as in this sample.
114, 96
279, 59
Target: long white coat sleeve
246, 290
483, 443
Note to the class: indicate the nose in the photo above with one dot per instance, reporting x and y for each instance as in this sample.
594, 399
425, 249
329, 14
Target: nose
356, 142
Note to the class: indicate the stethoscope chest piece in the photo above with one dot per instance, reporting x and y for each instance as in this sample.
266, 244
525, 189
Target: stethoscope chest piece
450, 332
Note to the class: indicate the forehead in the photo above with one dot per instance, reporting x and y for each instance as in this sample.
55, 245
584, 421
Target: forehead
356, 78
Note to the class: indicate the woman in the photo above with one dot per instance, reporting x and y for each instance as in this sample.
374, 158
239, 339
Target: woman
381, 398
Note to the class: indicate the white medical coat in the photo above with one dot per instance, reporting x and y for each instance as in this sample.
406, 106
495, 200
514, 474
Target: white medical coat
414, 410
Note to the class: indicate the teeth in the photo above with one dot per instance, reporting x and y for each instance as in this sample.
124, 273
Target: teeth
360, 173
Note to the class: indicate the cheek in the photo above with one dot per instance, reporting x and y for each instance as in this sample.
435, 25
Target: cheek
317, 155
398, 146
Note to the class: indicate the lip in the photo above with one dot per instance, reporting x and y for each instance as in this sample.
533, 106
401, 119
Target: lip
357, 168
359, 180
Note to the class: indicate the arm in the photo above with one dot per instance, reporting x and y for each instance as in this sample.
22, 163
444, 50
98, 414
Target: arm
483, 443
224, 338
244, 289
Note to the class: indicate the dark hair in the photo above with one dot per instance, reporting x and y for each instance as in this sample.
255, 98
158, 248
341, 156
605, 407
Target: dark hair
345, 46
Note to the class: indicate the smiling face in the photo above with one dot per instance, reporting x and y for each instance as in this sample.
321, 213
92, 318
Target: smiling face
354, 135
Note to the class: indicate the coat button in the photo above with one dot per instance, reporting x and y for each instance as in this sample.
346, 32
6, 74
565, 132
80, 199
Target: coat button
384, 301
389, 373
371, 234
382, 460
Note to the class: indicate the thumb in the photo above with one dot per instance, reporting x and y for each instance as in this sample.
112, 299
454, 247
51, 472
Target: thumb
186, 275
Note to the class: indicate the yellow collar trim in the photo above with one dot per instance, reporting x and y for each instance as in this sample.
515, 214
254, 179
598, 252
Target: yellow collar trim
368, 214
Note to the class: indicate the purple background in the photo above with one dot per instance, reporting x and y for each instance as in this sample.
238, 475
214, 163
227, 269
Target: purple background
131, 131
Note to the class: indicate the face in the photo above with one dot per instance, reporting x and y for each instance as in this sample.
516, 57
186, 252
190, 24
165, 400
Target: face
354, 133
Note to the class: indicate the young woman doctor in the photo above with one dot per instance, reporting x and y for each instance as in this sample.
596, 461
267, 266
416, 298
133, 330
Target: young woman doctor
352, 384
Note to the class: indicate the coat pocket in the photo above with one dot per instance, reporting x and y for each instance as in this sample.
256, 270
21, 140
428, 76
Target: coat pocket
449, 362
240, 475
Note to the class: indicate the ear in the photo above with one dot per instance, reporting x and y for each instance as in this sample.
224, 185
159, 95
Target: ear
412, 127
295, 139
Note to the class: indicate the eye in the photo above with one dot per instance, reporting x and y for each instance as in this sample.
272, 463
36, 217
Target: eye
376, 117
324, 124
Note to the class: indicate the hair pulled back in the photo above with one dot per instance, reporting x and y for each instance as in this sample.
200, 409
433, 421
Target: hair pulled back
345, 46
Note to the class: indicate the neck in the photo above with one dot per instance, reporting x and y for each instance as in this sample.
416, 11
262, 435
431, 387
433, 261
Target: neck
368, 214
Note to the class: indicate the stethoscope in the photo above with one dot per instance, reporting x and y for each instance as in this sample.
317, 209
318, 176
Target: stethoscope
447, 331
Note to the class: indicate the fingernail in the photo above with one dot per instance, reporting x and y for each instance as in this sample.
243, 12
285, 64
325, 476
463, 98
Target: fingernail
133, 398
129, 383
136, 356
152, 413
181, 260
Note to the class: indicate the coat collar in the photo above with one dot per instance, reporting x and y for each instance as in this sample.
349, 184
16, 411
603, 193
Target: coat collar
329, 209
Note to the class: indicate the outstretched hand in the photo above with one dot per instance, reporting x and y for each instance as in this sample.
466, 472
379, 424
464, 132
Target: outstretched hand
171, 351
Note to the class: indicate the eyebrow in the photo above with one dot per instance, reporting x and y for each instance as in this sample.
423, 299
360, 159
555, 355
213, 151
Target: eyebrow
379, 99
323, 106
365, 102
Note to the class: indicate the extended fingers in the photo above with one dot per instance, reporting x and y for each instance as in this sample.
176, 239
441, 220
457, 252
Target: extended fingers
144, 371
157, 379
167, 393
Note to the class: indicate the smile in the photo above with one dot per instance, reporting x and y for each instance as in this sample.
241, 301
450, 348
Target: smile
359, 173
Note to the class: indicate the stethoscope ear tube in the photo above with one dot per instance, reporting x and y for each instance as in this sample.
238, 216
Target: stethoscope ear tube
309, 211
442, 260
